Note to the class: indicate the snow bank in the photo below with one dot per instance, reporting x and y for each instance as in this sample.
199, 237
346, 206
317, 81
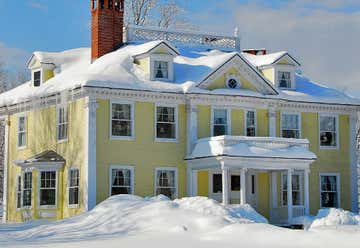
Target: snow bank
334, 217
126, 215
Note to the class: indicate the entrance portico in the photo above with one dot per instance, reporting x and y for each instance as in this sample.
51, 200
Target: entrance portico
247, 156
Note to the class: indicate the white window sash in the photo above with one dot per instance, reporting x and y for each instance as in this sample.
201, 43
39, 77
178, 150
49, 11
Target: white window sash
73, 187
62, 123
22, 128
286, 128
131, 121
175, 122
335, 132
47, 188
174, 187
112, 177
299, 191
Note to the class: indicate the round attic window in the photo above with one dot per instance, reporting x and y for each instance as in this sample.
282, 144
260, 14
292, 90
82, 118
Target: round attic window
232, 83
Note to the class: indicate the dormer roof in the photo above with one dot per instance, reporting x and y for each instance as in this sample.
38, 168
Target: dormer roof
269, 59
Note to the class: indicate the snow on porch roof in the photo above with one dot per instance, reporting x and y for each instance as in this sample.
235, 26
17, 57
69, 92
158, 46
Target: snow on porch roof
48, 156
252, 147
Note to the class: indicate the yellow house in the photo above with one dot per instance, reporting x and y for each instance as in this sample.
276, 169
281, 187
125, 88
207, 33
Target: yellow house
178, 114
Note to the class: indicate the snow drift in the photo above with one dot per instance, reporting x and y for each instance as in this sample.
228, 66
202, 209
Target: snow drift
125, 215
333, 217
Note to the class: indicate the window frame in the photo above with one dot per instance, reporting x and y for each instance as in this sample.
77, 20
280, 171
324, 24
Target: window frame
23, 189
69, 187
338, 187
336, 130
25, 131
228, 119
56, 189
245, 121
33, 76
301, 190
58, 124
132, 112
132, 176
176, 113
18, 191
162, 58
176, 180
290, 113
284, 68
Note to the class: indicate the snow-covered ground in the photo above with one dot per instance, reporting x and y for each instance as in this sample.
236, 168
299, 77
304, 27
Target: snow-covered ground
130, 221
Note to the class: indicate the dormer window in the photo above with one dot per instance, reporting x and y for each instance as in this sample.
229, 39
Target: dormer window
284, 78
37, 78
161, 70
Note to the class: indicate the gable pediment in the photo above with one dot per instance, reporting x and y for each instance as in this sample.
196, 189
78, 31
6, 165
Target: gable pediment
250, 77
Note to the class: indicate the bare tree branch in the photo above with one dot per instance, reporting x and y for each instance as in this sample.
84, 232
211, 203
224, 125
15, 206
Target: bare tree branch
138, 11
168, 15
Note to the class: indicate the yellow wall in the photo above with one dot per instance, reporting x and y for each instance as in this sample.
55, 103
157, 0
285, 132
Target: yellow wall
41, 136
203, 183
144, 64
263, 185
269, 74
143, 152
48, 74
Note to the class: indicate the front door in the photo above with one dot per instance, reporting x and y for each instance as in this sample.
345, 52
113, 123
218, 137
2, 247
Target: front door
251, 189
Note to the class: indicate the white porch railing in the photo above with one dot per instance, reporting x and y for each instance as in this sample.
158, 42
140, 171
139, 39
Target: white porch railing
138, 33
280, 215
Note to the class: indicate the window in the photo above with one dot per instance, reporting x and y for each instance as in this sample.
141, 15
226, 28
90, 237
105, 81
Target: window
102, 4
27, 190
94, 4
329, 191
250, 123
328, 131
235, 183
161, 69
217, 183
48, 188
284, 78
290, 126
296, 190
74, 178
118, 5
62, 123
165, 122
18, 193
122, 180
232, 83
220, 122
166, 182
110, 4
121, 120
22, 131
37, 78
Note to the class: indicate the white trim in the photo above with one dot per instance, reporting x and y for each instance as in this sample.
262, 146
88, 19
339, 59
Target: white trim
236, 77
68, 187
22, 115
228, 120
336, 130
176, 119
175, 169
338, 187
6, 164
56, 188
162, 58
192, 127
353, 164
22, 190
245, 121
132, 112
301, 191
285, 68
33, 71
66, 113
19, 176
123, 167
290, 113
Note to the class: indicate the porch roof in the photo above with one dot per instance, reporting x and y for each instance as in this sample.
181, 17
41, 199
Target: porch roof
252, 147
47, 158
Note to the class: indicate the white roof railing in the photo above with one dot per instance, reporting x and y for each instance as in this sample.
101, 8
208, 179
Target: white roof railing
139, 33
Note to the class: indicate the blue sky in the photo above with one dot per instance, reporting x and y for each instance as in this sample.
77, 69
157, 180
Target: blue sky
314, 31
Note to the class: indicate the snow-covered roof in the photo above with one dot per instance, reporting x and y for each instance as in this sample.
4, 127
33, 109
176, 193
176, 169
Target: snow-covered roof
73, 69
252, 147
267, 59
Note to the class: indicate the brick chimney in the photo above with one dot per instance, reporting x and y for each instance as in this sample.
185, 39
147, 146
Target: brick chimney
107, 22
260, 51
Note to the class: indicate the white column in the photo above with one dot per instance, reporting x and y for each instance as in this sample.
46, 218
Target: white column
274, 198
191, 182
90, 155
192, 119
272, 122
289, 195
225, 185
306, 192
243, 186
353, 164
5, 164
194, 182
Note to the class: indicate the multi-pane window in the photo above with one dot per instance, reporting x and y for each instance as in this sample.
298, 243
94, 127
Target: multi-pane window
250, 123
296, 190
166, 183
220, 122
290, 126
121, 181
328, 131
121, 120
18, 192
74, 178
165, 123
62, 123
22, 131
217, 183
329, 191
284, 78
47, 188
37, 78
27, 189
161, 69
